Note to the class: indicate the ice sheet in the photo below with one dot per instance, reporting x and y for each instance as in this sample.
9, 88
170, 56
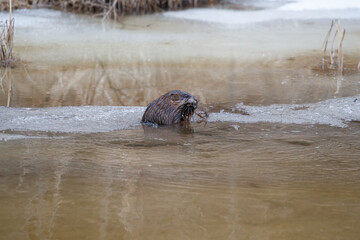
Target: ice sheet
87, 119
334, 112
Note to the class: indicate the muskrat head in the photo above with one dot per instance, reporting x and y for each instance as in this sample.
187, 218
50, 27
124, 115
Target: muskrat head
185, 102
171, 108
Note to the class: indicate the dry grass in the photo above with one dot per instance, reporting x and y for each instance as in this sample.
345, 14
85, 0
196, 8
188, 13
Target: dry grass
6, 39
336, 56
100, 83
6, 42
108, 8
6, 58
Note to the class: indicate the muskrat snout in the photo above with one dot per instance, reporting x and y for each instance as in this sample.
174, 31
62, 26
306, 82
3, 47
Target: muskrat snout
193, 101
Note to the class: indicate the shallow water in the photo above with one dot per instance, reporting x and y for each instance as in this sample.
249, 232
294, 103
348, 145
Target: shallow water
260, 181
277, 158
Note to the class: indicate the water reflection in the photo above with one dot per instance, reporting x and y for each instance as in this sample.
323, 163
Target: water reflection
6, 85
136, 85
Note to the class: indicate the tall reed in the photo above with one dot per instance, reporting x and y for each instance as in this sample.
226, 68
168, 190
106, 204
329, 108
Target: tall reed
6, 58
6, 39
337, 53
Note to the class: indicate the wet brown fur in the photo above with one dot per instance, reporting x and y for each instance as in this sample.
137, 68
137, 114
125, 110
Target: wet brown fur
171, 108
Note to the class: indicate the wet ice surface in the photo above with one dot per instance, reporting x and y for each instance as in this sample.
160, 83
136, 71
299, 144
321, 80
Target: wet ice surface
334, 112
87, 119
70, 119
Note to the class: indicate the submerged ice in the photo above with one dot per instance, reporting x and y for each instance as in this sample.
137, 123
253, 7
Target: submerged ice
87, 119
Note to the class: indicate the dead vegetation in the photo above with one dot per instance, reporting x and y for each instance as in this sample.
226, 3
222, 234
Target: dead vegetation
6, 40
108, 8
335, 57
6, 58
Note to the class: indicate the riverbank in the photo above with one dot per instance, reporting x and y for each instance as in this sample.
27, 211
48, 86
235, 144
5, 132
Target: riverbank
73, 60
108, 8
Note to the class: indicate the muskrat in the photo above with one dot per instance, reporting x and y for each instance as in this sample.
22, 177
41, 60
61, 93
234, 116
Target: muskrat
171, 108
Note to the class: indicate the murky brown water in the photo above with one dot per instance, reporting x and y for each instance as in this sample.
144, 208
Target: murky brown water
214, 181
260, 182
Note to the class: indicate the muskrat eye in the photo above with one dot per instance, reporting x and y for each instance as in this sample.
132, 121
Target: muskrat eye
176, 97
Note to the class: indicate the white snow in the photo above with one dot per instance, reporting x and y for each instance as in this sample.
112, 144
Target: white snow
303, 9
302, 5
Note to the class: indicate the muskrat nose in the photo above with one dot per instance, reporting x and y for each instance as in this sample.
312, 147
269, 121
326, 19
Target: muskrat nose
193, 101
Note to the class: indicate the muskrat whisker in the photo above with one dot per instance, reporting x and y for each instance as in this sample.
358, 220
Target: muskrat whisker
203, 115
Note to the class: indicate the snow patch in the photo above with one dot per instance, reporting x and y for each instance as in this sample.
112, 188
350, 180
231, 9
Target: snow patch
321, 4
300, 10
